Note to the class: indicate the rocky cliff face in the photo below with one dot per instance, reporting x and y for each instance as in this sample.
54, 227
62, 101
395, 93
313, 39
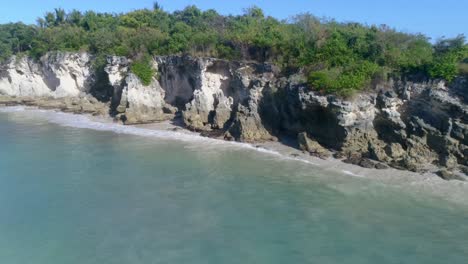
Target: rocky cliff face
55, 75
407, 125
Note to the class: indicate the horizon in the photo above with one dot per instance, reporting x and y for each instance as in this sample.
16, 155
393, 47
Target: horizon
362, 11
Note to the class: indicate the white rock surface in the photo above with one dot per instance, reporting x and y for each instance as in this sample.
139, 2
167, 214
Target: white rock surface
209, 97
56, 75
117, 69
140, 96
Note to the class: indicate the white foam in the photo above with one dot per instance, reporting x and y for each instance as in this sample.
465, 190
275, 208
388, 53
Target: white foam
12, 109
88, 122
352, 174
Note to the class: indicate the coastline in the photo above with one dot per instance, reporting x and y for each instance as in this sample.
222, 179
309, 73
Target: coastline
430, 183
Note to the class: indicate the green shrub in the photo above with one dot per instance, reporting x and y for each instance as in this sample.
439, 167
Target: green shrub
344, 81
143, 70
122, 51
449, 54
337, 57
444, 68
226, 52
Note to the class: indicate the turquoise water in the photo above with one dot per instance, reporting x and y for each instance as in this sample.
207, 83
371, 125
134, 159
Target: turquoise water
74, 195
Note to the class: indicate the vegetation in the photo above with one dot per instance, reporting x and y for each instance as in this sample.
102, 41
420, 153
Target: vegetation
142, 68
337, 57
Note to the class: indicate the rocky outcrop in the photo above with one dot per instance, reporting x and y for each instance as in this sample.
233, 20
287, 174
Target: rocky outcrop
217, 96
133, 102
410, 125
407, 125
312, 146
77, 105
55, 75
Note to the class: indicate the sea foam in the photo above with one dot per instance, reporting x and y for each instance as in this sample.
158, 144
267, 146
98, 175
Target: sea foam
93, 123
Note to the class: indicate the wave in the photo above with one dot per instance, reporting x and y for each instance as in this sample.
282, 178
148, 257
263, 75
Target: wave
102, 124
352, 174
12, 109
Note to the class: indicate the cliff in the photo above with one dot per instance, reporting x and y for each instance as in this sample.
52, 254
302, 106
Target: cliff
416, 126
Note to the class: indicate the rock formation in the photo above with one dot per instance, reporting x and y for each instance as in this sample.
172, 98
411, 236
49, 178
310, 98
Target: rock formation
410, 125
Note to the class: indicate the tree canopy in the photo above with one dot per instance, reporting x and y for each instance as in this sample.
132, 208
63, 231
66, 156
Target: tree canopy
337, 57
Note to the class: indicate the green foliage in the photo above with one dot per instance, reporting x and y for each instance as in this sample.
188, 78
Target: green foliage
15, 38
5, 52
157, 6
449, 53
344, 81
143, 70
337, 57
444, 67
227, 52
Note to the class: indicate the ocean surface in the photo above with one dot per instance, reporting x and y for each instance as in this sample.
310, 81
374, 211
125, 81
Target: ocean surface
73, 191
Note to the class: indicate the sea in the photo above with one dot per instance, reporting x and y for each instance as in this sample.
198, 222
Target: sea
77, 191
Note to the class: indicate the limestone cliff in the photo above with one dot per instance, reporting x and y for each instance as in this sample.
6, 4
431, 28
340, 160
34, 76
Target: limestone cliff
55, 75
416, 126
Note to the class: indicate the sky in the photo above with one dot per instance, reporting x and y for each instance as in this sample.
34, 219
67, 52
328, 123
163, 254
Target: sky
433, 18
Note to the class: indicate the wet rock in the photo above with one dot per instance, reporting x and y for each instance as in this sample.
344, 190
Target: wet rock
339, 155
464, 169
353, 159
312, 146
381, 166
367, 163
449, 161
449, 176
395, 151
377, 152
410, 125
9, 101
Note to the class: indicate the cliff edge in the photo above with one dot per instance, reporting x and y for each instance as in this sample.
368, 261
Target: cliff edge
418, 126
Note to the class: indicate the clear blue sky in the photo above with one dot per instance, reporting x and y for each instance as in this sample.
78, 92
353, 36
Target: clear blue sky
434, 18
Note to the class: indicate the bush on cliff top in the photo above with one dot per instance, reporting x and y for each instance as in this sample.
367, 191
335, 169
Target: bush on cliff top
328, 51
344, 81
143, 70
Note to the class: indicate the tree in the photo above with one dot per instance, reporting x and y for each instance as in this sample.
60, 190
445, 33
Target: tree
75, 17
41, 22
337, 57
157, 6
254, 11
50, 19
59, 16
448, 54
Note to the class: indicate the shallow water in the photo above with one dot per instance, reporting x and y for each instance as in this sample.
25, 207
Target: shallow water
70, 194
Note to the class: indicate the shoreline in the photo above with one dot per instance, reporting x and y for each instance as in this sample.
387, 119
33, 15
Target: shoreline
430, 183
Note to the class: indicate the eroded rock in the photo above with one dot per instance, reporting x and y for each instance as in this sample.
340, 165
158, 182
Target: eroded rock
404, 124
312, 146
449, 176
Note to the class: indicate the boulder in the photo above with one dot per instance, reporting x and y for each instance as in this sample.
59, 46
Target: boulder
410, 125
464, 169
381, 166
353, 159
395, 151
377, 152
312, 146
449, 176
367, 163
